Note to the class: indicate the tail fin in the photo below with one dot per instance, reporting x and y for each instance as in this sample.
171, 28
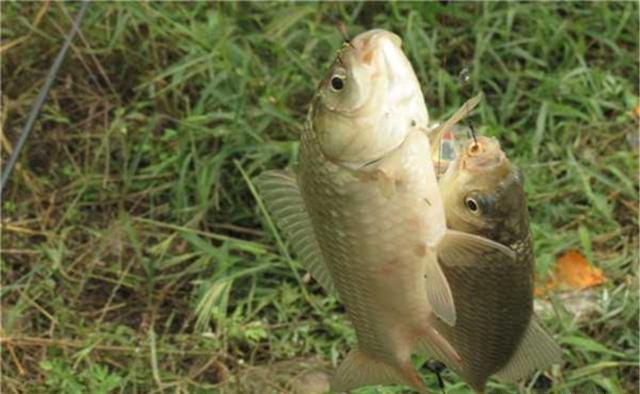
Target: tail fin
359, 369
538, 350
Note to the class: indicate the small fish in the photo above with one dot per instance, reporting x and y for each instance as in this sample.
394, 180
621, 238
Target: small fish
364, 213
495, 332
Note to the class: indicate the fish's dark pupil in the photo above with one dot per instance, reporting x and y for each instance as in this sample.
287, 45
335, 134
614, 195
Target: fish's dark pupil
472, 205
337, 83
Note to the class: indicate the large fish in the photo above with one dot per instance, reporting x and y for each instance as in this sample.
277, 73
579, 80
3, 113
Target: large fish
364, 212
495, 332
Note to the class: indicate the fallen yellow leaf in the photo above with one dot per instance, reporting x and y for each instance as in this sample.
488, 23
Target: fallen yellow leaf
572, 272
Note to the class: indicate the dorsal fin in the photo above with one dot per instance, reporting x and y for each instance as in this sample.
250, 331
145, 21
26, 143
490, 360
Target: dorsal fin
281, 194
436, 134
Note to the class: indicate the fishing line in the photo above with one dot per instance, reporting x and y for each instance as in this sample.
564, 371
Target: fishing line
42, 96
342, 28
464, 78
473, 133
458, 116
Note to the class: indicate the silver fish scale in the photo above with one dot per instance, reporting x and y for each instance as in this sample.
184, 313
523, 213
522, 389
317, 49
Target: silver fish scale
372, 246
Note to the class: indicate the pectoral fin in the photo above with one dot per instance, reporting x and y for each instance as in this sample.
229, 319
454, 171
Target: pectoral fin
387, 184
538, 350
281, 193
457, 248
463, 249
359, 369
436, 134
439, 293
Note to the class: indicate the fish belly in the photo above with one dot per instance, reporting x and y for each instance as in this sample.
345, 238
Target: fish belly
375, 245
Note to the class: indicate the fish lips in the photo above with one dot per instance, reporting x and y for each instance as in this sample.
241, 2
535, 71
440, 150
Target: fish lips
382, 120
482, 155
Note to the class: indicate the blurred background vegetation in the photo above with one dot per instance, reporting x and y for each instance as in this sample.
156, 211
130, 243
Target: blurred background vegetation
134, 255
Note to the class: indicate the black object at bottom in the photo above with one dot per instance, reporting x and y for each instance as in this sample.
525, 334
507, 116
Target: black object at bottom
437, 367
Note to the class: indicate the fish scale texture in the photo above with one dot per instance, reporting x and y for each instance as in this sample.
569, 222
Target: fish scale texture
501, 303
371, 243
503, 313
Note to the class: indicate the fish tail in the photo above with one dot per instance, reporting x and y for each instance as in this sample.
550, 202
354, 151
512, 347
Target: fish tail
360, 369
538, 350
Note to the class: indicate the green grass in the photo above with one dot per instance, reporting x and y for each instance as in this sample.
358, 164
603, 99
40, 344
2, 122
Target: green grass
135, 257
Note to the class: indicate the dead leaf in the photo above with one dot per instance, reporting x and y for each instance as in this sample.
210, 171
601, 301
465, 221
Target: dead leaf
572, 272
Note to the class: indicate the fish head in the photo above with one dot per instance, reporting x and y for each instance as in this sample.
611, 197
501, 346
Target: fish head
368, 101
483, 193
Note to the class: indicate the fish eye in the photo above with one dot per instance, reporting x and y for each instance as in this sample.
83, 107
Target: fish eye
337, 83
472, 205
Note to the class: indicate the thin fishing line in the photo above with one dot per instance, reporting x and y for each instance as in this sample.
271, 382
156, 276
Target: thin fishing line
42, 96
342, 28
439, 142
473, 133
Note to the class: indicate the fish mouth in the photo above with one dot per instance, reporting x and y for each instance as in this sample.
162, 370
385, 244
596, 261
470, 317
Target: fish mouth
385, 48
381, 50
368, 43
483, 154
387, 106
376, 54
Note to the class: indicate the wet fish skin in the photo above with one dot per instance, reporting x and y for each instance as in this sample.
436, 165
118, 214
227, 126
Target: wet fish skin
365, 215
483, 194
359, 213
